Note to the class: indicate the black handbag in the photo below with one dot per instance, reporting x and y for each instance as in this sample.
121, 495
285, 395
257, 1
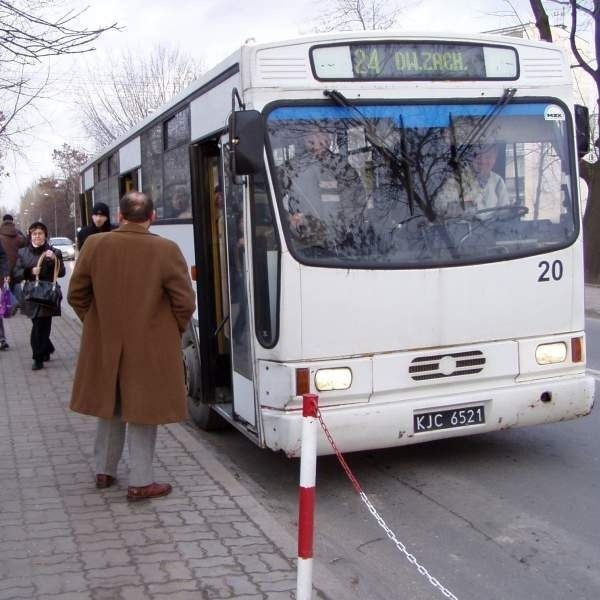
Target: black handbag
44, 293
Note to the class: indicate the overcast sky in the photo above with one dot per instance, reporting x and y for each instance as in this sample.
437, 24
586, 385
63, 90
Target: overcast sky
210, 30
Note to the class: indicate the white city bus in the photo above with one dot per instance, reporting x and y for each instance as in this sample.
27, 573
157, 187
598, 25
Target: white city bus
413, 315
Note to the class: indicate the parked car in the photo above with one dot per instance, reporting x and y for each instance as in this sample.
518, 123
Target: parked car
65, 245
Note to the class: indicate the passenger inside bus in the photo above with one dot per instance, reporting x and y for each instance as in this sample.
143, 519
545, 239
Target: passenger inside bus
180, 206
324, 196
474, 185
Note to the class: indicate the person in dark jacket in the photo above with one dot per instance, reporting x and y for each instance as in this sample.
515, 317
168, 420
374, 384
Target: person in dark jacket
3, 279
100, 223
11, 239
26, 269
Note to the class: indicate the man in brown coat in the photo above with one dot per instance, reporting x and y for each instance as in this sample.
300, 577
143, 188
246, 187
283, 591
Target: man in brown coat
132, 291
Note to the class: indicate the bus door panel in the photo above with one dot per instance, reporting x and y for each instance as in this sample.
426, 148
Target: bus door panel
219, 254
85, 206
236, 215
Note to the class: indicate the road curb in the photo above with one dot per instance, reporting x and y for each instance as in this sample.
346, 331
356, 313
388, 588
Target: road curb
328, 586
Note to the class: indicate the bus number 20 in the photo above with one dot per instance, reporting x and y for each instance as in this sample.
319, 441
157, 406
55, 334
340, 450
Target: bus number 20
551, 271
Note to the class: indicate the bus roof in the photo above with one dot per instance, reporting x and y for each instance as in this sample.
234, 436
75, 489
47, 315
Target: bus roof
230, 65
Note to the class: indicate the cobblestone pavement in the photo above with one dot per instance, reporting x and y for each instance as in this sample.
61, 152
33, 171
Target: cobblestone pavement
61, 539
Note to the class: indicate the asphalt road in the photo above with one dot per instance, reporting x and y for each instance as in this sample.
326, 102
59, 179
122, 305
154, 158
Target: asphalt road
505, 516
592, 330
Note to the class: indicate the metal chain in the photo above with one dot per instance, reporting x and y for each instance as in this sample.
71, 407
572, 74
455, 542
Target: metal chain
410, 557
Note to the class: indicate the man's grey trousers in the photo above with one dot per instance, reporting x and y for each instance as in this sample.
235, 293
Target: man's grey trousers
110, 439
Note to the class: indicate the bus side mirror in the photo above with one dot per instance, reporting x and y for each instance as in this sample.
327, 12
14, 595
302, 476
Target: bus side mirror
582, 126
247, 135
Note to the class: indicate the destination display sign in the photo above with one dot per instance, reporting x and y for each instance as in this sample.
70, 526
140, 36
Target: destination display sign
414, 61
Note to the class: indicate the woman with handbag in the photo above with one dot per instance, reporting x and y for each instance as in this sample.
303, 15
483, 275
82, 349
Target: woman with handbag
38, 263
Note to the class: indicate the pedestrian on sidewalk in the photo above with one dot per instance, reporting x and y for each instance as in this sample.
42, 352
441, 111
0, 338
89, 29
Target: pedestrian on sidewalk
11, 239
3, 278
26, 269
132, 291
100, 224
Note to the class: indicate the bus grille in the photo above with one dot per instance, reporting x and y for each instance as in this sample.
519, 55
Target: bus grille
447, 365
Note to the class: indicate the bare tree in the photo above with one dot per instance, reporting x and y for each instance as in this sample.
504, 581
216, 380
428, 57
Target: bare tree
31, 30
43, 202
18, 94
541, 20
27, 34
69, 161
133, 87
47, 201
350, 15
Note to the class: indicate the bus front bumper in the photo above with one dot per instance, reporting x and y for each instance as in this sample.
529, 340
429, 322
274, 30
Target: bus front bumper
389, 422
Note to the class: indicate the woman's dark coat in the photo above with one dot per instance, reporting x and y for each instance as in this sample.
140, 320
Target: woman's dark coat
27, 258
85, 232
11, 239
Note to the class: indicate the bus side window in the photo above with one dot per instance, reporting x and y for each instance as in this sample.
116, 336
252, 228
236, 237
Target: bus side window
266, 258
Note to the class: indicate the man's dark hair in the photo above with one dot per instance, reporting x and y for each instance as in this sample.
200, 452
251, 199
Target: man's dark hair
136, 207
8, 218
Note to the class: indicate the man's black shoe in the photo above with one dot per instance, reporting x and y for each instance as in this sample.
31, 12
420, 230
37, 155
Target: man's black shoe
37, 365
4, 345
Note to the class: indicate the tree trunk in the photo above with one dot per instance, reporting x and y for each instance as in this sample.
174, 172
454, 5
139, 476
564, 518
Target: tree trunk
591, 222
541, 20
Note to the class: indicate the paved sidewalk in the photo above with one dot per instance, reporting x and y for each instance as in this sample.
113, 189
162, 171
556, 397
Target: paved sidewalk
592, 301
61, 539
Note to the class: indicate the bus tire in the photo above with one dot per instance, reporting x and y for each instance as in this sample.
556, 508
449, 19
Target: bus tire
201, 413
204, 416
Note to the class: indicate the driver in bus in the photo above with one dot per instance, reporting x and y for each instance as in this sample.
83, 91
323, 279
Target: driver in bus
323, 193
476, 186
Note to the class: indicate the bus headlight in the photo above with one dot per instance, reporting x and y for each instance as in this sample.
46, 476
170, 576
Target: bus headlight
547, 354
327, 380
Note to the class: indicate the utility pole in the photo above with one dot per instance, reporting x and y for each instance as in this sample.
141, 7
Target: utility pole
74, 210
45, 194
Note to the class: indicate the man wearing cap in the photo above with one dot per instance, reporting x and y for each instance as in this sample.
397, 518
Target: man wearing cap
100, 223
11, 239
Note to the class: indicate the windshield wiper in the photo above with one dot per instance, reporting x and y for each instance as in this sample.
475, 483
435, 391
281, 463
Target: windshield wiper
457, 152
454, 162
484, 123
403, 162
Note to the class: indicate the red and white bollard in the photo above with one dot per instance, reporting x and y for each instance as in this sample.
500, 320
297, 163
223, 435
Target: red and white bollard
306, 504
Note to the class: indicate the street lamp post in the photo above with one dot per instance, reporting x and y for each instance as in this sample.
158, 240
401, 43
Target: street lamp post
55, 220
73, 208
30, 210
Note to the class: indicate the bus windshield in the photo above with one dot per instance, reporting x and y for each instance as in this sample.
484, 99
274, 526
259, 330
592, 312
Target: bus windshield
422, 185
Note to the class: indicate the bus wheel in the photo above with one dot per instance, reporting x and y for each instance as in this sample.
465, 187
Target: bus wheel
202, 414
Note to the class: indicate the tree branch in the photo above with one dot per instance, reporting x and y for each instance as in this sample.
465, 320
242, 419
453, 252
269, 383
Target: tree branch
29, 37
